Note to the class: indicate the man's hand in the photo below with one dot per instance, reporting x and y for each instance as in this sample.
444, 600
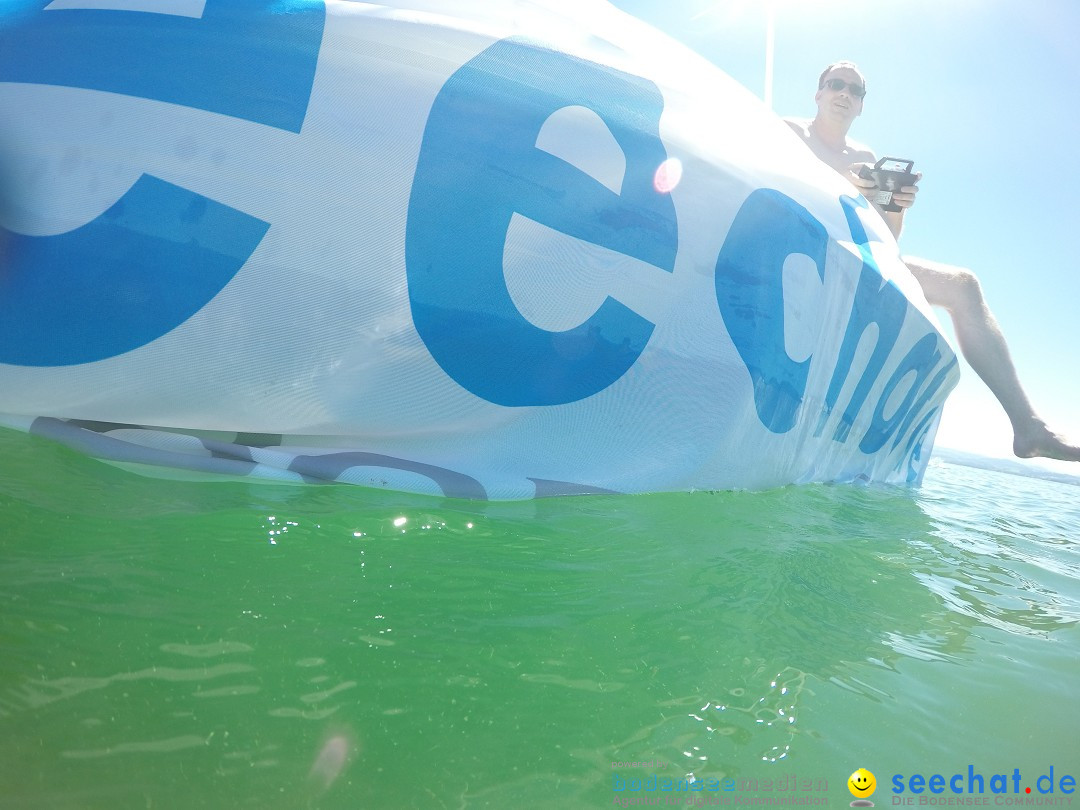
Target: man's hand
905, 197
865, 185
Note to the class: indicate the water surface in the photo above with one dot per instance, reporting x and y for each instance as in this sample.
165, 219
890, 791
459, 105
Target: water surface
178, 644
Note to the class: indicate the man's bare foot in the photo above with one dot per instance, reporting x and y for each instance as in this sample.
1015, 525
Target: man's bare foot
1036, 440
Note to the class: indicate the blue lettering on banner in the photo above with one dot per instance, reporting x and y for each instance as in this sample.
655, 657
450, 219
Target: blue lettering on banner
478, 166
913, 451
876, 302
924, 399
139, 270
920, 360
249, 59
161, 252
769, 227
883, 304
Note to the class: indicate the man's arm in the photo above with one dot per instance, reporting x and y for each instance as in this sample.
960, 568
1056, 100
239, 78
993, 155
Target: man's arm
860, 156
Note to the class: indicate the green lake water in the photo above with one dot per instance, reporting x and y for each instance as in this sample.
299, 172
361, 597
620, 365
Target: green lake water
169, 644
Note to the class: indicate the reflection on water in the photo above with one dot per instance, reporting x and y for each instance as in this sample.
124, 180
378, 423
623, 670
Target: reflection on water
266, 646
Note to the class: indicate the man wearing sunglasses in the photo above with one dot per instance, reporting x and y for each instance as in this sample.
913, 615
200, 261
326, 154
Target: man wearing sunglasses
840, 96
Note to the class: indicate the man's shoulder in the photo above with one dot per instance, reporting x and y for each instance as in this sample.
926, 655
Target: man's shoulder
800, 125
861, 151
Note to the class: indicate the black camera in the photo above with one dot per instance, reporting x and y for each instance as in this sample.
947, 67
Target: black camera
889, 175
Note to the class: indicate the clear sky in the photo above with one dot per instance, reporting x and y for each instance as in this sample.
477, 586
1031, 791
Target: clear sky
982, 95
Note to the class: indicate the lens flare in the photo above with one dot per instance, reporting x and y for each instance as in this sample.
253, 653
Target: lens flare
668, 174
330, 761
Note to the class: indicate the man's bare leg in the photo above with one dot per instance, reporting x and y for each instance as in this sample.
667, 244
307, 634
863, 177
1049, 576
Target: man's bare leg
957, 290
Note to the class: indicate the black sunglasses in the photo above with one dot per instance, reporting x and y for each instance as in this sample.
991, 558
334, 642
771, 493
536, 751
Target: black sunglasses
837, 85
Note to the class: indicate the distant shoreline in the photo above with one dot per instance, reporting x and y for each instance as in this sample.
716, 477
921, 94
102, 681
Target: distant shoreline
1005, 465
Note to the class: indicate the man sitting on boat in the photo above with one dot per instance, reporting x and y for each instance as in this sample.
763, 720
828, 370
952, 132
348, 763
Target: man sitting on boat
840, 96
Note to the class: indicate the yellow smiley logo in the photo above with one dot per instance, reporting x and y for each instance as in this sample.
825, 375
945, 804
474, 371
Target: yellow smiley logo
861, 783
